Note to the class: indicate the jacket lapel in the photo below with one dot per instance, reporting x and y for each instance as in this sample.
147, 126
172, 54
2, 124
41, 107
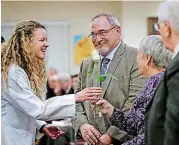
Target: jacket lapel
174, 66
113, 66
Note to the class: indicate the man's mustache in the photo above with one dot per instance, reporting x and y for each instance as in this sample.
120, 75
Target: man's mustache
100, 43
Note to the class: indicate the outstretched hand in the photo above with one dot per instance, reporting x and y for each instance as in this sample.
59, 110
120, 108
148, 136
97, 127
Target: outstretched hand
91, 93
52, 131
105, 107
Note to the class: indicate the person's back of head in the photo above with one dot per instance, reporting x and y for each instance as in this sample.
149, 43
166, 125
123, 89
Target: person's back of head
153, 45
64, 79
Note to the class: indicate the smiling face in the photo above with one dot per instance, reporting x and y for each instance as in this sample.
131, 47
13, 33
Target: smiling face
40, 43
104, 44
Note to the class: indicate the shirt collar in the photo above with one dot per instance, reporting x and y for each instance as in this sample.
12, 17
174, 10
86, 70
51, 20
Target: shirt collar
112, 53
176, 51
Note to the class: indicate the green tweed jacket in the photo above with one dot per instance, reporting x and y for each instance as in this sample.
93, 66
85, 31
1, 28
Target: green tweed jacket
120, 93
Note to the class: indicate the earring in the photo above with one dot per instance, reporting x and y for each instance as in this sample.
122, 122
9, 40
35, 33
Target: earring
146, 66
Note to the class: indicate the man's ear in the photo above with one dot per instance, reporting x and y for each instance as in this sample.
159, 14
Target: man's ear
167, 29
118, 29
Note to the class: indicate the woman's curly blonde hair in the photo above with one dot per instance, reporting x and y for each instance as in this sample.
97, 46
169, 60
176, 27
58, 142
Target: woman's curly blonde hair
19, 51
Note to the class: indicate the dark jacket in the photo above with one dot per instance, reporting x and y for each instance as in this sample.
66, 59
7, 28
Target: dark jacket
162, 124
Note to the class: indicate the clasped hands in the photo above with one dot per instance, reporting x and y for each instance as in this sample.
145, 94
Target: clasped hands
52, 131
89, 133
93, 137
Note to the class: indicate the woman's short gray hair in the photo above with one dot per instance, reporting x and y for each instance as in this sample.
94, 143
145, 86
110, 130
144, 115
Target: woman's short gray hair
112, 19
153, 45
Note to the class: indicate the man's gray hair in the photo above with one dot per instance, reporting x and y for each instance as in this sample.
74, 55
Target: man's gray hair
63, 77
169, 11
112, 19
153, 45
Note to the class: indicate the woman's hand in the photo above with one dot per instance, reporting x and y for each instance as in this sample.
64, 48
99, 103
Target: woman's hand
105, 107
92, 93
52, 131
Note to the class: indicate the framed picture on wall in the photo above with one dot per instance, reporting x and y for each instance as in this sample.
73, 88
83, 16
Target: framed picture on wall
150, 22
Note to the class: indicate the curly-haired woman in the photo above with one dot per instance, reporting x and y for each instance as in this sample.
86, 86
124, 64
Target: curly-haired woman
23, 79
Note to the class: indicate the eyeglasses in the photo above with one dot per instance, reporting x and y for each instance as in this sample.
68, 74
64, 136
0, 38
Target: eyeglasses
101, 33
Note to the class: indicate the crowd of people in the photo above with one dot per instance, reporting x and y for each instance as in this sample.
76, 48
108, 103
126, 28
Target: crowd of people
60, 84
138, 97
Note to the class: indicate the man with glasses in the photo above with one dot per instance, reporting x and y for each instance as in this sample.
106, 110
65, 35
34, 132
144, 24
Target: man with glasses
162, 118
119, 60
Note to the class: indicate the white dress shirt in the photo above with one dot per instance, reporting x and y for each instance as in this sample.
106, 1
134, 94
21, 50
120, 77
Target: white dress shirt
111, 54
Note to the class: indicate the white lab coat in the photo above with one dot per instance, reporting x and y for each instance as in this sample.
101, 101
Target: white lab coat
20, 108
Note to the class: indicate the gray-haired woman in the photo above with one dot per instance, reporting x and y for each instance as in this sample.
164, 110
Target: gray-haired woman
152, 60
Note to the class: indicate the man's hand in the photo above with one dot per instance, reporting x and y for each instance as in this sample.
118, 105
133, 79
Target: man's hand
105, 139
90, 134
88, 94
52, 131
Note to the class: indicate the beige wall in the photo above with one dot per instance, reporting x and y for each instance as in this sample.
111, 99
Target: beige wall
134, 20
132, 16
